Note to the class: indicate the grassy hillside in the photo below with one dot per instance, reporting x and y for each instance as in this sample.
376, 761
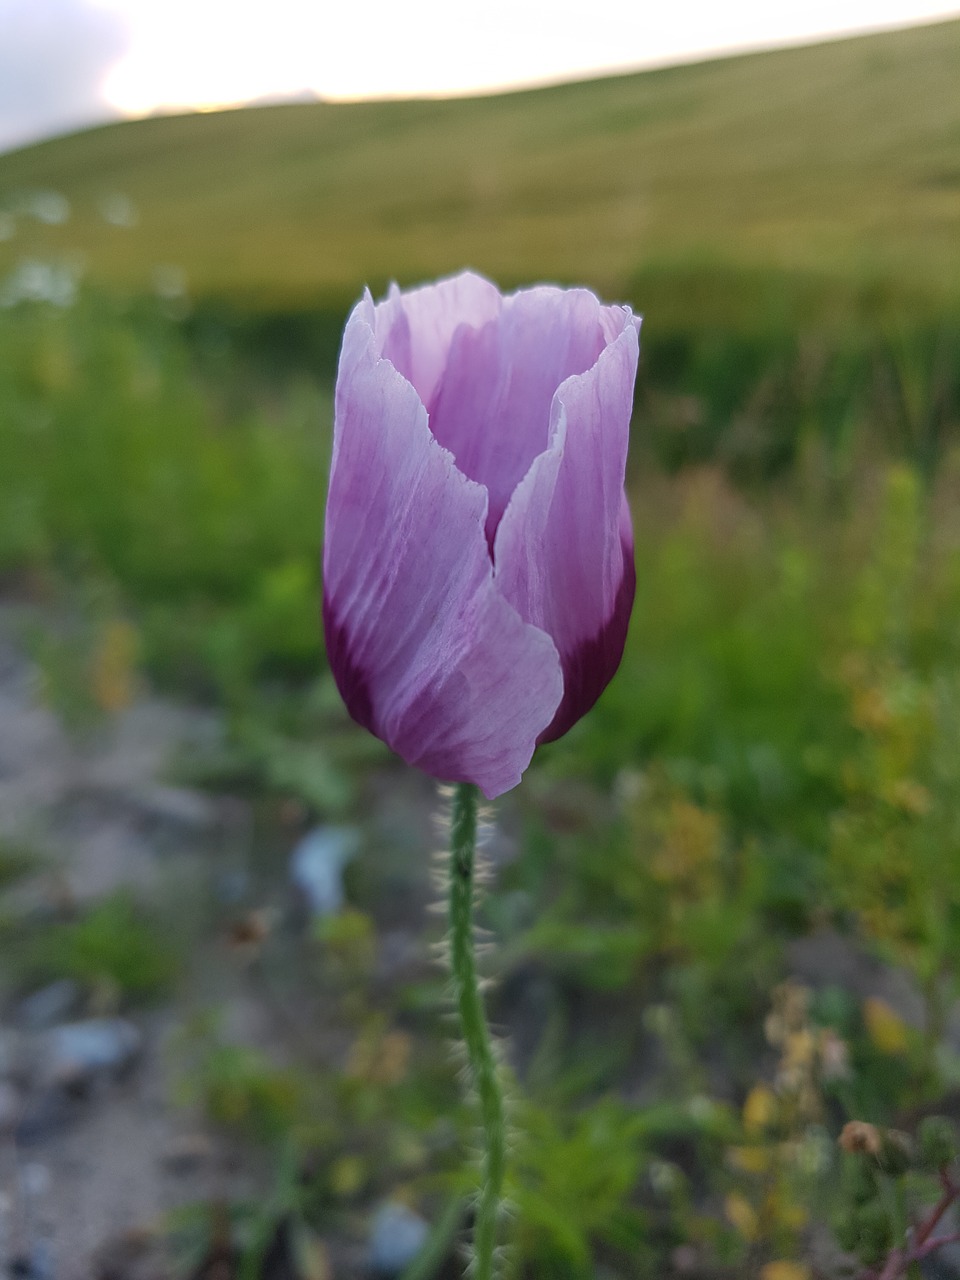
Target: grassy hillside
838, 162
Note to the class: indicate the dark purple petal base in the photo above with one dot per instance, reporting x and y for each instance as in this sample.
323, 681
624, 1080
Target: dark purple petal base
591, 667
350, 680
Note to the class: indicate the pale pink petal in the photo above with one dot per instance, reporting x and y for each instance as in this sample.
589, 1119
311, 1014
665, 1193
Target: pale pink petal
564, 548
414, 329
491, 406
426, 651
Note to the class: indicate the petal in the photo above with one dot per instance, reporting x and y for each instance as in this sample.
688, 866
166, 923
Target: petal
425, 650
491, 406
414, 329
564, 548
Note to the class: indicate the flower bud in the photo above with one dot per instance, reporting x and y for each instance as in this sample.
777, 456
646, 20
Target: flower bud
478, 571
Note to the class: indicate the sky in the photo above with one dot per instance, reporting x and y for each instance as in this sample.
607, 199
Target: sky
68, 63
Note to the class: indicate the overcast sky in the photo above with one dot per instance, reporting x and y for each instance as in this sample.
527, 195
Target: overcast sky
54, 58
68, 63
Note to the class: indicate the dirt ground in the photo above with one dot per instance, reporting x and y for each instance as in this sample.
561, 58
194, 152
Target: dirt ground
87, 1160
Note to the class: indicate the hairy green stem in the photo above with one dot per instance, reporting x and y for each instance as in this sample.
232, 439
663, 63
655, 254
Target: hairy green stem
473, 1024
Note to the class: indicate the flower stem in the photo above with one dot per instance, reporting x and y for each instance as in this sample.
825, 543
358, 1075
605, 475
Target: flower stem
924, 1242
473, 1023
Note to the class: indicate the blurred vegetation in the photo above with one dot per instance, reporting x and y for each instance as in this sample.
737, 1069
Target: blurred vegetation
115, 950
721, 875
836, 162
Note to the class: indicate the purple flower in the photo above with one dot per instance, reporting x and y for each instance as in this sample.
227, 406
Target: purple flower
478, 562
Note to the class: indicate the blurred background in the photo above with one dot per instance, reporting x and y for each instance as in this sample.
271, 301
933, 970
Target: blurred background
726, 908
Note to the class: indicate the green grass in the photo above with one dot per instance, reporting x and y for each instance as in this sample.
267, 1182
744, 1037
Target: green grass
114, 945
127, 465
836, 166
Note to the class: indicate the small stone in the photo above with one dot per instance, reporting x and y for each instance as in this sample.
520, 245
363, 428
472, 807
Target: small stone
401, 957
12, 1054
186, 1153
44, 1113
74, 1054
32, 1265
35, 1179
316, 867
133, 1255
232, 887
177, 807
396, 1237
11, 1106
684, 1259
49, 1005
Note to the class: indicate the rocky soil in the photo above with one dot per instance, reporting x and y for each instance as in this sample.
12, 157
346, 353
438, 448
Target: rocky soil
93, 1149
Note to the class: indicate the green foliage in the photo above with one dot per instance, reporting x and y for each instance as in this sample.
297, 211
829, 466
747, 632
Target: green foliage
576, 1183
16, 861
243, 1090
885, 1183
895, 836
938, 1144
119, 462
114, 943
